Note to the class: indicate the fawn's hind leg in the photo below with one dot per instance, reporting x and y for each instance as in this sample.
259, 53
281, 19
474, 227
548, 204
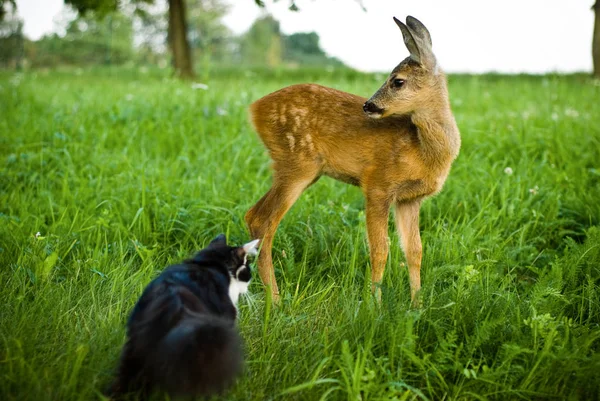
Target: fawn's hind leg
264, 217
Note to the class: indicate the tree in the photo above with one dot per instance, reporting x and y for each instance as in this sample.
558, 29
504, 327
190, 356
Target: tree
178, 40
596, 40
262, 43
11, 38
206, 31
304, 48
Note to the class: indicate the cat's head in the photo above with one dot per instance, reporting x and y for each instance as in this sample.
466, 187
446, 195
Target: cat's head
236, 259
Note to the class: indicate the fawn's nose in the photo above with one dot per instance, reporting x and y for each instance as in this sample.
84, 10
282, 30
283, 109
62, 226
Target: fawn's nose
371, 108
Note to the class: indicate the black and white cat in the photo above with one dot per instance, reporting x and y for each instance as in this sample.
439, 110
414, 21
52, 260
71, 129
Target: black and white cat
181, 334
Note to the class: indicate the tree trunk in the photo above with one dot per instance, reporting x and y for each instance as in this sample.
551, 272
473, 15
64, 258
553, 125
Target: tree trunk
180, 47
596, 40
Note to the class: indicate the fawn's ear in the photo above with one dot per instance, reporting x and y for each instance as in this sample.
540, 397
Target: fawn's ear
409, 41
417, 40
418, 30
220, 240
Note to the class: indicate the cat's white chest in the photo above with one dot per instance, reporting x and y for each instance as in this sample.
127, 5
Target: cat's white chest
237, 287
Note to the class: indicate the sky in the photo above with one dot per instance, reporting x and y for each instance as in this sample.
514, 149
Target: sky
509, 36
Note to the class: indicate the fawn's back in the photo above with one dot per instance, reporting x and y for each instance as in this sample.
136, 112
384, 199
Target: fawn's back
310, 126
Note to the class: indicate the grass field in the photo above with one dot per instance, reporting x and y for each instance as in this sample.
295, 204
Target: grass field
122, 173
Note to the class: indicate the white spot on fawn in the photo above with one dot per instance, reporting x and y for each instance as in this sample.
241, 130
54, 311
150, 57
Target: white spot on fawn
310, 143
292, 141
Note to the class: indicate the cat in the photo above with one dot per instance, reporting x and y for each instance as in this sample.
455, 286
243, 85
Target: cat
181, 334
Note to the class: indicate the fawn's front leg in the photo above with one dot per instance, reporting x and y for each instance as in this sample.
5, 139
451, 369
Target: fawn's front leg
407, 223
377, 211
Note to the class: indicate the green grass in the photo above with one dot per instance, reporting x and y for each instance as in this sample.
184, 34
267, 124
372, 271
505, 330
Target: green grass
123, 173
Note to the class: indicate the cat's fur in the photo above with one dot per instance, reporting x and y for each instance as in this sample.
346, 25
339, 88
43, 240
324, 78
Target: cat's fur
182, 337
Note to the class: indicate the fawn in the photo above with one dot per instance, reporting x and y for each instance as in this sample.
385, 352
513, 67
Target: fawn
397, 146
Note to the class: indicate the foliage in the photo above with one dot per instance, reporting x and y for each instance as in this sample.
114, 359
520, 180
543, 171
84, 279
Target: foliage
103, 7
261, 45
303, 48
4, 5
210, 38
97, 37
265, 44
99, 6
88, 40
123, 172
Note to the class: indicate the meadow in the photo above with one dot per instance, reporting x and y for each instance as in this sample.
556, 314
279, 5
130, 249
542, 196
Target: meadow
108, 176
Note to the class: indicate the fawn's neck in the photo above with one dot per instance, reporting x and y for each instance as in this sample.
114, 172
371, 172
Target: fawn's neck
437, 129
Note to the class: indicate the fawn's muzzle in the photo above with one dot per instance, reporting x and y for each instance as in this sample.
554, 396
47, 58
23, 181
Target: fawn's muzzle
371, 108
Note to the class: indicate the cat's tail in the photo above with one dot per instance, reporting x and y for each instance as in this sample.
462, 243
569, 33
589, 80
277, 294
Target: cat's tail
201, 355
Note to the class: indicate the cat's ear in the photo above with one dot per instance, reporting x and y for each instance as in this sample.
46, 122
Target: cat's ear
220, 240
251, 248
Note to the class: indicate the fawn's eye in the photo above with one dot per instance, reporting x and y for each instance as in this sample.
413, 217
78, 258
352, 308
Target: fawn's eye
397, 83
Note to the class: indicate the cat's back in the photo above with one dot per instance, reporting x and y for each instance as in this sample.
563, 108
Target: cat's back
198, 290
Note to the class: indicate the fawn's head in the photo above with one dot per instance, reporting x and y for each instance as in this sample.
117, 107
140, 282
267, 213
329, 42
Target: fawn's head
415, 82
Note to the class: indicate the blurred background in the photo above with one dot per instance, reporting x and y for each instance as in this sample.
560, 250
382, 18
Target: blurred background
189, 37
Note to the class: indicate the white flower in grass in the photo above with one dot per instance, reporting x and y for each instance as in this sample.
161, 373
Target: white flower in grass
221, 111
554, 116
534, 190
199, 85
508, 171
38, 234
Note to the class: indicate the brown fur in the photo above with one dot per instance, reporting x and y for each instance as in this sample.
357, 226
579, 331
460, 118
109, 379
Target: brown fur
396, 158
